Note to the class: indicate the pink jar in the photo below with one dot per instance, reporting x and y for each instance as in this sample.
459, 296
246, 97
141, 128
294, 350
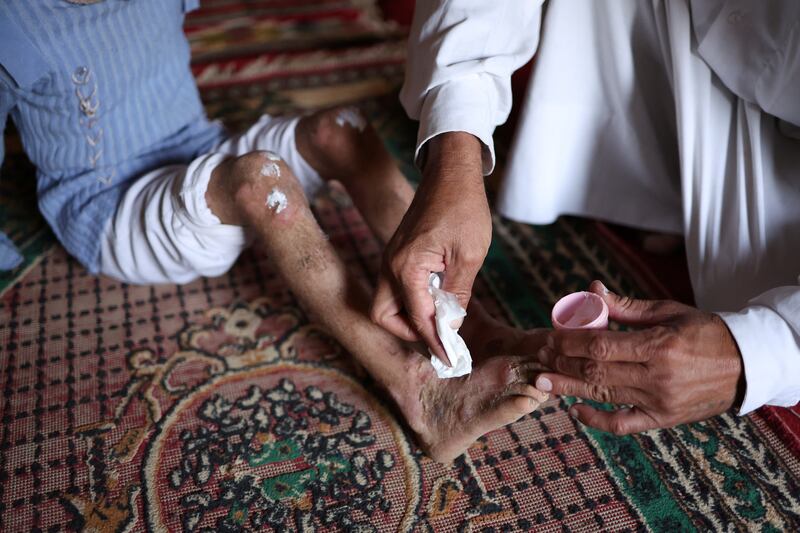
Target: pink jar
580, 310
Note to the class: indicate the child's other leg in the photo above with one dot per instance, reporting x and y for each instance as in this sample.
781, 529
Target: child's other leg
341, 145
447, 415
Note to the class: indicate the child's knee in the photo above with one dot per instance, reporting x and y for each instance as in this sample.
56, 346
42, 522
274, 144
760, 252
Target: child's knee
264, 183
336, 140
337, 128
259, 170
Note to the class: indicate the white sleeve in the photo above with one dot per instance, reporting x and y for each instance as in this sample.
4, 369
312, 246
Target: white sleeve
768, 334
461, 54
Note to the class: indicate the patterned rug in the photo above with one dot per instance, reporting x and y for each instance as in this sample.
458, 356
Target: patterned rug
218, 406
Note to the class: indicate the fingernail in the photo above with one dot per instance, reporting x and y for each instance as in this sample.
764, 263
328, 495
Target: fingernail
573, 412
544, 384
605, 289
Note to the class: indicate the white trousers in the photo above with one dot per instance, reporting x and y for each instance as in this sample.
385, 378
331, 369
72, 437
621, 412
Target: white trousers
625, 122
163, 230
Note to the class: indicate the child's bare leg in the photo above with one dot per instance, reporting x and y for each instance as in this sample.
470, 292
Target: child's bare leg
447, 415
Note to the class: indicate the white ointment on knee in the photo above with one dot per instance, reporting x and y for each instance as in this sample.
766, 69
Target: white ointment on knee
271, 168
352, 117
276, 200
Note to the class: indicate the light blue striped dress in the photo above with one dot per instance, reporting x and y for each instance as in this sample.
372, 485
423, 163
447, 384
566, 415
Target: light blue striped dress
100, 94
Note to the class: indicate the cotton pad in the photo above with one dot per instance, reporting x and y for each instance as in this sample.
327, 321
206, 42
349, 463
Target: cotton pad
449, 311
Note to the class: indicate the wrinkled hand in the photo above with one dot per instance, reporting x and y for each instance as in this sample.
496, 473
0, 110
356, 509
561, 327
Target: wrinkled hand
682, 366
447, 229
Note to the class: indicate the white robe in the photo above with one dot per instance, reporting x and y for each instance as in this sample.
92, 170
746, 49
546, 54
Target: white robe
678, 116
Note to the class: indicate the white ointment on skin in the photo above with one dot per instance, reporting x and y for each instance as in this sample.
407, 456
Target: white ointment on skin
352, 117
277, 200
271, 169
272, 156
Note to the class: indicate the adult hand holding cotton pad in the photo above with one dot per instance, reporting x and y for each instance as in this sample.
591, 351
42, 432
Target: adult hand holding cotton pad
580, 310
449, 312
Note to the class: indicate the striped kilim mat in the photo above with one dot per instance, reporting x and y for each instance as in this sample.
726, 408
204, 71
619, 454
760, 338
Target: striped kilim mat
218, 406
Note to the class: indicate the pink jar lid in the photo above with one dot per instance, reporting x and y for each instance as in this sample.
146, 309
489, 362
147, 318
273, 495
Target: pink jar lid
580, 310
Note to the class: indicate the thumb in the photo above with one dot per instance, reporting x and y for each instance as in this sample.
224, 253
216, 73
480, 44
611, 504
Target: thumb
387, 312
458, 279
633, 311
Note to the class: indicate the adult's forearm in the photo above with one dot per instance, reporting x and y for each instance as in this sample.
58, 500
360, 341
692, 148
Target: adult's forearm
454, 156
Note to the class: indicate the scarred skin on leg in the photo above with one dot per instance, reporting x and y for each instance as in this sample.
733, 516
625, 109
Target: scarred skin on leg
446, 415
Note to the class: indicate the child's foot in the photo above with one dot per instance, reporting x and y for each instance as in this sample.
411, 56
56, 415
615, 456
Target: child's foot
448, 415
451, 414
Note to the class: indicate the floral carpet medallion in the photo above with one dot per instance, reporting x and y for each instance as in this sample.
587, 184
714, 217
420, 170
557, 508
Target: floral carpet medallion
245, 426
267, 447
